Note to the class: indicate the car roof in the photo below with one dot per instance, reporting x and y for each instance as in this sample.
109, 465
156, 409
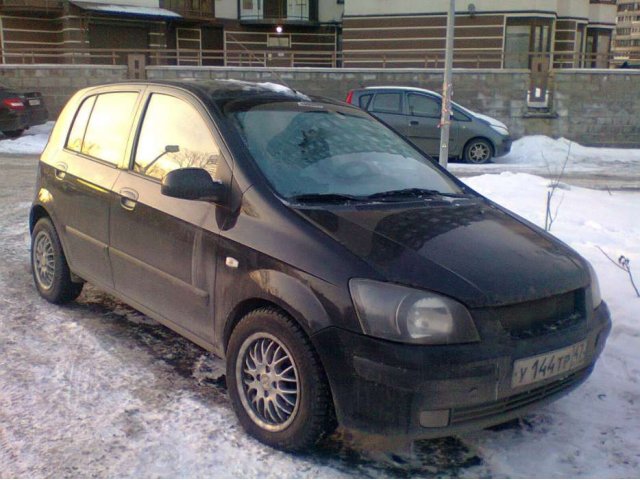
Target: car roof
215, 90
408, 89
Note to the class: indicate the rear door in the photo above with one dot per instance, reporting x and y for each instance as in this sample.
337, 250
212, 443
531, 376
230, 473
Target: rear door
388, 106
162, 257
83, 174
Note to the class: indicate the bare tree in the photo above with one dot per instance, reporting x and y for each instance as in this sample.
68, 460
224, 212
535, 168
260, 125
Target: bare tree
550, 213
623, 264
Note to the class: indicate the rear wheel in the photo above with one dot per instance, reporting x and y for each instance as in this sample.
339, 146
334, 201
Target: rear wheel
276, 384
478, 151
49, 265
13, 133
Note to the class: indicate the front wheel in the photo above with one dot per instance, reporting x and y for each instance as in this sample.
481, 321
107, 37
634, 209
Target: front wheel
49, 265
277, 386
478, 151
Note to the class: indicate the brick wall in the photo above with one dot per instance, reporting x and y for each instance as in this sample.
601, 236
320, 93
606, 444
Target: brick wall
592, 107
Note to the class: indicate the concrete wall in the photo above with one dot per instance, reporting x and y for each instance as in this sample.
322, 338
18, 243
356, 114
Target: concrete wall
58, 82
592, 107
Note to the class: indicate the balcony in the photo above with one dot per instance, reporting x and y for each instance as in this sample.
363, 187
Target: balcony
31, 6
190, 8
271, 12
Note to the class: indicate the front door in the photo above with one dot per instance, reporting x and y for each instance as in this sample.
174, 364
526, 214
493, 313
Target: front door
162, 257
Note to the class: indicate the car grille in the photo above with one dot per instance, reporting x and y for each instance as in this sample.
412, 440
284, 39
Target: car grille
520, 400
539, 317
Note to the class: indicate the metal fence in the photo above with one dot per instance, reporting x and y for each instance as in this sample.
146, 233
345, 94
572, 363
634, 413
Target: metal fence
291, 58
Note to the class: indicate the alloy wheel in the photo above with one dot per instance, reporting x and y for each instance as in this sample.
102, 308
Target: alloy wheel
479, 153
267, 381
44, 260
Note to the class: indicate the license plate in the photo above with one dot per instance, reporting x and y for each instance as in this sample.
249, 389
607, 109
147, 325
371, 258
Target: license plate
541, 367
34, 102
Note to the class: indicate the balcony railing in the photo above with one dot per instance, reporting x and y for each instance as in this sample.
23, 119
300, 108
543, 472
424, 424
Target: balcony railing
278, 11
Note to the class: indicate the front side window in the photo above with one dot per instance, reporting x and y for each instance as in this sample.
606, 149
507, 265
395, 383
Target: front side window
76, 135
308, 149
423, 106
174, 135
387, 103
109, 126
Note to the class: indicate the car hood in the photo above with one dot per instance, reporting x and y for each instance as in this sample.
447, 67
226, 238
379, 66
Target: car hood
469, 250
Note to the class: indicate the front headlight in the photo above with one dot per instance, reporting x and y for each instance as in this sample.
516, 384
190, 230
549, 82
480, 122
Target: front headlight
403, 314
595, 287
501, 130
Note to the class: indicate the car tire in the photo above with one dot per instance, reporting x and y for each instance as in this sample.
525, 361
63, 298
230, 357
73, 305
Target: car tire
13, 133
277, 386
49, 266
478, 151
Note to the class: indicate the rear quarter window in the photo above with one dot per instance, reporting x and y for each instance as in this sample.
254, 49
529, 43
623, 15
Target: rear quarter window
365, 100
109, 126
79, 126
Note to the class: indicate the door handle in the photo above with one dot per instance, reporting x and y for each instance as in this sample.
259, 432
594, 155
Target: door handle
60, 170
414, 123
128, 198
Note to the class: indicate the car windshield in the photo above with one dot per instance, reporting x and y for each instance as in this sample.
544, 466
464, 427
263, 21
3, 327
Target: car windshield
309, 150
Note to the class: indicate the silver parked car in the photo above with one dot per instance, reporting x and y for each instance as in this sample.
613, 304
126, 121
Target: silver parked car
415, 113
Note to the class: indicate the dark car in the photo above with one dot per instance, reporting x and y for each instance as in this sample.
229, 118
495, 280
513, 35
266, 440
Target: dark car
19, 111
340, 273
415, 113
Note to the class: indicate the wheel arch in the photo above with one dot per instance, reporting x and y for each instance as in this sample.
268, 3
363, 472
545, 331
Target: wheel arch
37, 212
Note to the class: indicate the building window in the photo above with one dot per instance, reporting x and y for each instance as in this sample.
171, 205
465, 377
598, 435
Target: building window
598, 47
524, 38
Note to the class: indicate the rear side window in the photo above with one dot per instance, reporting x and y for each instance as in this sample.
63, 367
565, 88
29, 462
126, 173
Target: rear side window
109, 126
76, 135
387, 103
174, 135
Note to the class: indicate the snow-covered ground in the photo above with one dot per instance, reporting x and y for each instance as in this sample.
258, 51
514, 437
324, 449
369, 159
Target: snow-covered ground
95, 389
546, 156
32, 141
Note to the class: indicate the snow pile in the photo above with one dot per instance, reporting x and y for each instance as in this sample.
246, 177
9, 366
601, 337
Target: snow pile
542, 150
32, 141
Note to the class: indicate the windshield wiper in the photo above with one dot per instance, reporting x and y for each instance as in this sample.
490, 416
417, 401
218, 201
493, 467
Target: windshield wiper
335, 198
413, 193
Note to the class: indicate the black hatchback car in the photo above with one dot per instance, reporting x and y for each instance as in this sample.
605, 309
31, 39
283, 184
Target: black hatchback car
341, 273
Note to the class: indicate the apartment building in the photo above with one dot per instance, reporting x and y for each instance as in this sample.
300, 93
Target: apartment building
489, 33
183, 32
353, 33
627, 38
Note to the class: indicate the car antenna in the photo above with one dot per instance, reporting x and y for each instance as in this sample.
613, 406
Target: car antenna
254, 56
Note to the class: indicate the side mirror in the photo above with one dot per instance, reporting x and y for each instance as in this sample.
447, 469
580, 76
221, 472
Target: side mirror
192, 184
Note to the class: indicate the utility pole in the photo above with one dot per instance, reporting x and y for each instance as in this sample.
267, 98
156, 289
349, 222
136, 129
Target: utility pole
447, 87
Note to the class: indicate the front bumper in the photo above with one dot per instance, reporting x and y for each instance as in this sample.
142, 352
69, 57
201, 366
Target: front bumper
387, 388
503, 147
